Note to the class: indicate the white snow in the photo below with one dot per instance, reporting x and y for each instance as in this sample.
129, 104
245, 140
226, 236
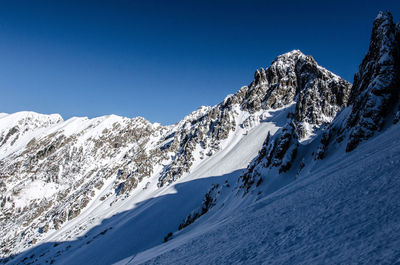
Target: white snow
35, 190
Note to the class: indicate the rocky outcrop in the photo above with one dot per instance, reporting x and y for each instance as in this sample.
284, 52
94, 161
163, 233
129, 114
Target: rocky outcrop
377, 83
204, 129
317, 96
208, 202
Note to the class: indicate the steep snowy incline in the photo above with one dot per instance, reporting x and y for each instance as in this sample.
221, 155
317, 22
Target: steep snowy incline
241, 146
345, 212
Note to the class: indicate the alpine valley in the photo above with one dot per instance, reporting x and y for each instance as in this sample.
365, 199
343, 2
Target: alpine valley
298, 167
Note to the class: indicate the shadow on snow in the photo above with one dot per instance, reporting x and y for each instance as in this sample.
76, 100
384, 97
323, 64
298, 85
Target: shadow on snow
126, 233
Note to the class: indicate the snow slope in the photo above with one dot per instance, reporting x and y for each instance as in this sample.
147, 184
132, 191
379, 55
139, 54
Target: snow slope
344, 212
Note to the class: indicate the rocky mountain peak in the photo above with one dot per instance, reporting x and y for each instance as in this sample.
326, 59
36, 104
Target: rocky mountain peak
317, 96
292, 60
381, 52
383, 16
293, 55
290, 75
376, 84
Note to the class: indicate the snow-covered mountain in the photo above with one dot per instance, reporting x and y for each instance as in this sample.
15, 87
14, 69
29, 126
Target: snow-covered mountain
245, 181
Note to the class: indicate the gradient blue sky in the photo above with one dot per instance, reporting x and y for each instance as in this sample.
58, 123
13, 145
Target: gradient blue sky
163, 59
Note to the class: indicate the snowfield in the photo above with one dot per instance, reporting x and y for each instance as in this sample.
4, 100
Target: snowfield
345, 212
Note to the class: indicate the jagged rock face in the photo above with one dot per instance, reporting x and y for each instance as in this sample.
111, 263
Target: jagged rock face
278, 152
203, 129
318, 96
295, 77
377, 82
375, 92
323, 96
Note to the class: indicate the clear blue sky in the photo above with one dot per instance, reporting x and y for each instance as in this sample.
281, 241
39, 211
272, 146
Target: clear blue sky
163, 59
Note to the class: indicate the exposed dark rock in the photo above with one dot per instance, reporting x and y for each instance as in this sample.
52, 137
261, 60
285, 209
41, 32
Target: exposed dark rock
377, 83
209, 201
